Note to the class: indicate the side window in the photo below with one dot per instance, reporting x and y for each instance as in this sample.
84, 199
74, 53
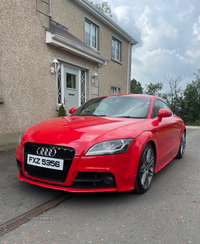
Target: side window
116, 49
91, 34
115, 90
158, 104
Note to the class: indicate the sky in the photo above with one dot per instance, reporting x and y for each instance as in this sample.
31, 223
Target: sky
168, 32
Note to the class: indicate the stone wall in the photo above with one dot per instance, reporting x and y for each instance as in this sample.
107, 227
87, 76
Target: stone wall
28, 90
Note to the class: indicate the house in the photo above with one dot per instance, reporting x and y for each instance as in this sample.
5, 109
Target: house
55, 52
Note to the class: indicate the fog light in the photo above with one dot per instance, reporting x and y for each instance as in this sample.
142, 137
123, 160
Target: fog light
108, 180
19, 165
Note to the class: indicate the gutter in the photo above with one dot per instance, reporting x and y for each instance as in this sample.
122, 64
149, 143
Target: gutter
104, 18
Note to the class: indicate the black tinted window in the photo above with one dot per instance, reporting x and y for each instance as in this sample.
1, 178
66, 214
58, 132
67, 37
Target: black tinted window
158, 104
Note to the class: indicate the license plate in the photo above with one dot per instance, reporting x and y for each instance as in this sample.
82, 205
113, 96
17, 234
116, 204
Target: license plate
45, 162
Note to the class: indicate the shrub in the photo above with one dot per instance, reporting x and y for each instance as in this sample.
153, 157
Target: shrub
61, 111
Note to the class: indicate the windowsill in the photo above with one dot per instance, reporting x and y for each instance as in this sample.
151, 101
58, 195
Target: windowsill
94, 49
1, 100
115, 60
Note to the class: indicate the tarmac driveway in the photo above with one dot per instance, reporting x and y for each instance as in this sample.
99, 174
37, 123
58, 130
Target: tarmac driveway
168, 213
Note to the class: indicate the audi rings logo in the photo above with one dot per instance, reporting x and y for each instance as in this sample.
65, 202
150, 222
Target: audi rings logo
45, 151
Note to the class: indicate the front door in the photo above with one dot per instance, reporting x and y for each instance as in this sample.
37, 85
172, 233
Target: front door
71, 88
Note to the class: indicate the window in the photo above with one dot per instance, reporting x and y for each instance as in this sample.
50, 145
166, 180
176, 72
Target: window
115, 106
115, 90
71, 81
91, 34
158, 104
116, 49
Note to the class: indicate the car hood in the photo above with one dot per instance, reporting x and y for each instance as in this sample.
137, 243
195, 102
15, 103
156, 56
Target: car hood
81, 132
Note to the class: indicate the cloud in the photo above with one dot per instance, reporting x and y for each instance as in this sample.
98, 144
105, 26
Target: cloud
122, 13
160, 62
168, 33
196, 29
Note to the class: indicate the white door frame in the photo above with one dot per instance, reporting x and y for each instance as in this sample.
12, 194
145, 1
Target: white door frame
78, 78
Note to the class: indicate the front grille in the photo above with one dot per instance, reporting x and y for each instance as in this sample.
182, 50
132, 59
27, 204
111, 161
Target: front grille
65, 153
92, 180
62, 152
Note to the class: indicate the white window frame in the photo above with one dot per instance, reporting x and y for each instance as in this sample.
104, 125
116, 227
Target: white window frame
92, 25
116, 55
115, 90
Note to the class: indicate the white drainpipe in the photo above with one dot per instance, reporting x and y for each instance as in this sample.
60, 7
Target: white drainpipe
128, 70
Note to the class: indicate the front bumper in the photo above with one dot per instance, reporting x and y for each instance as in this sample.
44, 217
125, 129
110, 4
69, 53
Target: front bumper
89, 174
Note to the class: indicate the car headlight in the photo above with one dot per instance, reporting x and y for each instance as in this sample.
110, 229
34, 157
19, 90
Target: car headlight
19, 139
118, 146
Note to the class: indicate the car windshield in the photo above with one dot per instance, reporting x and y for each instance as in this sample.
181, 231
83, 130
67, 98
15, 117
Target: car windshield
115, 106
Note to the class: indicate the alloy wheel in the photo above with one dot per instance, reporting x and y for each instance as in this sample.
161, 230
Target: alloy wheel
147, 168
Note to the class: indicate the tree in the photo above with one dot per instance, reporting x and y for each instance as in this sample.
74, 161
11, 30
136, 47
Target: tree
104, 7
152, 89
136, 87
174, 96
190, 104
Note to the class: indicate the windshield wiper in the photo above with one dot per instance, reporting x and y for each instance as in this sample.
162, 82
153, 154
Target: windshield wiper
100, 115
123, 117
129, 117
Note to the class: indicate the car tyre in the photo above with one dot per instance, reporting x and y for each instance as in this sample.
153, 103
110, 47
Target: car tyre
145, 170
181, 150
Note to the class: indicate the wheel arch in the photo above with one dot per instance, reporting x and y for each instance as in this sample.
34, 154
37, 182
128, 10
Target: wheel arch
154, 149
142, 140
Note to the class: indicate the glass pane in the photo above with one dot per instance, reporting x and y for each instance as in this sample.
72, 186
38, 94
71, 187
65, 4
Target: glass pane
113, 49
117, 50
71, 81
116, 106
115, 90
157, 106
94, 36
118, 91
87, 33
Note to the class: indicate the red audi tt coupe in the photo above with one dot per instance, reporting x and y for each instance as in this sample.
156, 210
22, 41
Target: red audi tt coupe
110, 143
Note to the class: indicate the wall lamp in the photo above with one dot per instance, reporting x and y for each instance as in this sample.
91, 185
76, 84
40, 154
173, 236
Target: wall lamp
94, 77
54, 65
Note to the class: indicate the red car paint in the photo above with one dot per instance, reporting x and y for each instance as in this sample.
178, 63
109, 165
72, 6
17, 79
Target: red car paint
82, 132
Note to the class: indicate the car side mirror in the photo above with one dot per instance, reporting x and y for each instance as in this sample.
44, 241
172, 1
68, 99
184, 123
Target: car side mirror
163, 113
72, 110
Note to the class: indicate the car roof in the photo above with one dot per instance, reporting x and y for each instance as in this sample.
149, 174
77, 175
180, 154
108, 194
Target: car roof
133, 95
